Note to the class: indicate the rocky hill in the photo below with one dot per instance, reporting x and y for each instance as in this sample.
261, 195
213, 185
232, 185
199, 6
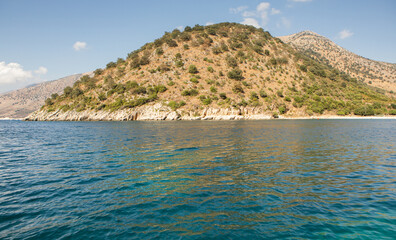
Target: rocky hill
20, 103
221, 71
374, 73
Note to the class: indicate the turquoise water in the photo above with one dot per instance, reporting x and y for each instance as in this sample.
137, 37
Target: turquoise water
275, 179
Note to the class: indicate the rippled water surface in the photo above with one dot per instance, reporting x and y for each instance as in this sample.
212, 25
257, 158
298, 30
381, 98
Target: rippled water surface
296, 179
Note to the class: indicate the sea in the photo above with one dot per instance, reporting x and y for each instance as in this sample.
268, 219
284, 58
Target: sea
266, 179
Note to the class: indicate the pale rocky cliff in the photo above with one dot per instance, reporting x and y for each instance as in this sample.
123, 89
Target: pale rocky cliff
157, 111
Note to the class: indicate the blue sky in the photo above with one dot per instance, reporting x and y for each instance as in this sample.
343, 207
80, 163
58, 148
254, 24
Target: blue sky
47, 40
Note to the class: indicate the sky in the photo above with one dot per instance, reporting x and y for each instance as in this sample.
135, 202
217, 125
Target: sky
45, 40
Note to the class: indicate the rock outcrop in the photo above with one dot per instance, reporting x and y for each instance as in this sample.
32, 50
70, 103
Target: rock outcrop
154, 112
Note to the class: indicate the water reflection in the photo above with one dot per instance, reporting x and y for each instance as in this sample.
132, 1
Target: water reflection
259, 179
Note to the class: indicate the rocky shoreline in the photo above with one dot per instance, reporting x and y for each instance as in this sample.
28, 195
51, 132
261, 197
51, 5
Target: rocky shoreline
159, 112
152, 112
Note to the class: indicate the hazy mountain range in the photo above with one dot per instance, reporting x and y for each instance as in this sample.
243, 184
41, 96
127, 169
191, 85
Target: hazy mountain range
375, 73
22, 102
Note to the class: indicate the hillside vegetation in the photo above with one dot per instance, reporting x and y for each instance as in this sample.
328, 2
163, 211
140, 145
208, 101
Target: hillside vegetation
225, 65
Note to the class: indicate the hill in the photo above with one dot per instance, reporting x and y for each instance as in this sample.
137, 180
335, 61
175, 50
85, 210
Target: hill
375, 73
221, 71
20, 103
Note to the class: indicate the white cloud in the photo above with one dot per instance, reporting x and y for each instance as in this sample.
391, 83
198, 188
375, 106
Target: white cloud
251, 21
284, 22
300, 0
274, 11
181, 28
41, 70
263, 6
258, 17
13, 76
79, 45
345, 34
209, 23
238, 9
13, 73
262, 10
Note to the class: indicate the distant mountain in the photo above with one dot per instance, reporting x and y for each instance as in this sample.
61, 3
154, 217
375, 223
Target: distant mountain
22, 102
374, 73
221, 71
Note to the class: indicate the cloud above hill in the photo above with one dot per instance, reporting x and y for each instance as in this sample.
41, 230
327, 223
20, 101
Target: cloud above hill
12, 73
259, 17
345, 34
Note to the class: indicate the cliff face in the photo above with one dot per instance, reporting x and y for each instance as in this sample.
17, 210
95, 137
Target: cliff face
374, 73
156, 111
224, 70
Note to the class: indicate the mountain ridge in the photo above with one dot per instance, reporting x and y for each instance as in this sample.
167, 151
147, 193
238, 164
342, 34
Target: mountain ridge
373, 72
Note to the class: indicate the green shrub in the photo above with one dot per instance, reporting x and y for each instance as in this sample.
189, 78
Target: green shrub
263, 94
190, 92
194, 80
175, 105
231, 62
235, 74
179, 63
111, 65
213, 89
254, 96
131, 85
392, 112
159, 51
135, 63
279, 93
216, 50
49, 102
298, 99
364, 111
224, 47
54, 96
206, 100
76, 92
341, 113
140, 90
102, 97
144, 60
192, 69
282, 109
211, 31
223, 96
185, 36
171, 43
98, 71
210, 69
238, 88
287, 99
266, 52
186, 47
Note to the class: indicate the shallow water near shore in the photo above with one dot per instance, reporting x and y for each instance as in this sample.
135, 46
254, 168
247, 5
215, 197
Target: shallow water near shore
270, 179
